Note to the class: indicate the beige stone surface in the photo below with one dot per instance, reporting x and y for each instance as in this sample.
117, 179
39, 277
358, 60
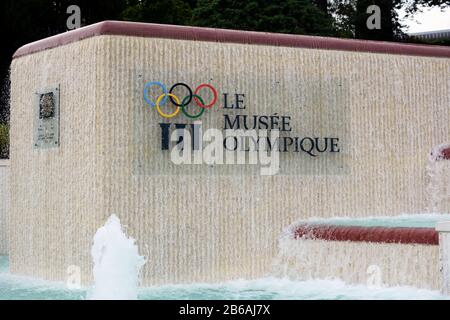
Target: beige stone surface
194, 224
4, 205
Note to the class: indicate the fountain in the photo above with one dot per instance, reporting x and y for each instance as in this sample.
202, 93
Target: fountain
411, 250
399, 252
438, 172
117, 263
86, 142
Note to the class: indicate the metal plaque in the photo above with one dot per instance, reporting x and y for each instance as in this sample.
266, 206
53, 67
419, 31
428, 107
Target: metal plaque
46, 119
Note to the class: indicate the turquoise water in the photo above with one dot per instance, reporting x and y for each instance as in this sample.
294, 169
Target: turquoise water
406, 220
16, 287
22, 288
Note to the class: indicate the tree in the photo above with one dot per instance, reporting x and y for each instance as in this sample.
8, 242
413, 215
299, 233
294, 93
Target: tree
159, 11
4, 141
390, 25
286, 16
351, 17
322, 5
412, 6
24, 21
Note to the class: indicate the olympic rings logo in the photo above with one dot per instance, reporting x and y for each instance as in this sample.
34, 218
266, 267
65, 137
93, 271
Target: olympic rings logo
179, 104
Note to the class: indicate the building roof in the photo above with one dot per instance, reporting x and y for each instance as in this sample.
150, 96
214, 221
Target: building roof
429, 32
432, 35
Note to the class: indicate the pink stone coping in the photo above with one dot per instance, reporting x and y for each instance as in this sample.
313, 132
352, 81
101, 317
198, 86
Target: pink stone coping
427, 236
151, 30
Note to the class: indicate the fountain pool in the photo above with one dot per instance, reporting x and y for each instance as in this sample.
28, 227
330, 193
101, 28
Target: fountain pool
13, 287
111, 243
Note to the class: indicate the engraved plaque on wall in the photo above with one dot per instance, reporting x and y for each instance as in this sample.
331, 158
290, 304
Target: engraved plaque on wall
46, 119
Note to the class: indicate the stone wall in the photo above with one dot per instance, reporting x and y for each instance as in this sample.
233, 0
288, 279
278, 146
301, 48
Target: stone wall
194, 223
55, 209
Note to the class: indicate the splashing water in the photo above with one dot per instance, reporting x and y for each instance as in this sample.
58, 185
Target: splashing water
361, 262
117, 263
19, 287
438, 186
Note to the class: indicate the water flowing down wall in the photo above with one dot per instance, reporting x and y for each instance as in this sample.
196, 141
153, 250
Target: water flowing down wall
387, 104
445, 261
438, 171
374, 256
444, 249
4, 206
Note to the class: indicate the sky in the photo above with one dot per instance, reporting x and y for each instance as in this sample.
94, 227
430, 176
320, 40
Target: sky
430, 19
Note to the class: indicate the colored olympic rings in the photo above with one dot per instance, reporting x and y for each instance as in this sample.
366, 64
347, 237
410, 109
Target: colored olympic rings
184, 103
214, 100
165, 115
187, 87
169, 96
148, 85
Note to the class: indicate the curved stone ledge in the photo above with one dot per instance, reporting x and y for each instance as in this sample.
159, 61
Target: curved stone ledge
368, 234
152, 30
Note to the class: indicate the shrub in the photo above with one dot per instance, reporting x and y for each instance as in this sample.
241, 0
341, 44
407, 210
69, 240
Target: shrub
4, 141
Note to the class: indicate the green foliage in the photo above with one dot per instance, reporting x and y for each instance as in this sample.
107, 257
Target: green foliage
286, 16
350, 17
24, 21
412, 6
344, 16
4, 141
162, 11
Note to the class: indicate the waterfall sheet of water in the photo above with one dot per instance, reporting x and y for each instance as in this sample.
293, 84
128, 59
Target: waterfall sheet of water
366, 263
438, 186
396, 264
117, 263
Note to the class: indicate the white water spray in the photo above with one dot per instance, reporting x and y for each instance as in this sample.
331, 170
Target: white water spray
117, 263
373, 263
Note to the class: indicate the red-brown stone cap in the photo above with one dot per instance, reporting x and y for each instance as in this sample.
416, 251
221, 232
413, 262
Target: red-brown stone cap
151, 30
427, 236
440, 152
446, 153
